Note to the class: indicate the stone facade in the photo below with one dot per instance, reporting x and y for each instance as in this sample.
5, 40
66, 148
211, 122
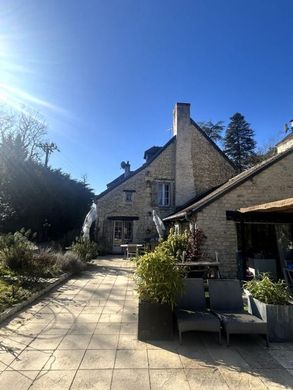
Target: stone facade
200, 163
190, 163
271, 184
113, 204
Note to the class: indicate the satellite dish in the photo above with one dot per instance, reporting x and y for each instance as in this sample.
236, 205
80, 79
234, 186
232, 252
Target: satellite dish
123, 165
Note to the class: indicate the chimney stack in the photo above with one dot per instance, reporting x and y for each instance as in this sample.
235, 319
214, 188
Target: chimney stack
184, 177
126, 169
181, 117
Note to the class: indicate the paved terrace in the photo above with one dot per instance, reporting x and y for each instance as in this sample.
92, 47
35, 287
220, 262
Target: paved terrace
83, 336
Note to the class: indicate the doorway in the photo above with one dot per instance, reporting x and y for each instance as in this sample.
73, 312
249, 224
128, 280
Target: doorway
122, 234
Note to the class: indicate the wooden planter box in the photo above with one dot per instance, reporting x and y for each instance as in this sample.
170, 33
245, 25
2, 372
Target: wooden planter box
155, 321
278, 317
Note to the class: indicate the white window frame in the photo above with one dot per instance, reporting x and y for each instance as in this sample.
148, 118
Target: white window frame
164, 194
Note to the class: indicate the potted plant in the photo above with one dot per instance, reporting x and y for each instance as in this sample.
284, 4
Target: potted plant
271, 301
159, 281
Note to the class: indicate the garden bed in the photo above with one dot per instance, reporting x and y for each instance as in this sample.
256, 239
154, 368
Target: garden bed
12, 300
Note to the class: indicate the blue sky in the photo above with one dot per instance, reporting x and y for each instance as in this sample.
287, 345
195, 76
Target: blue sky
106, 74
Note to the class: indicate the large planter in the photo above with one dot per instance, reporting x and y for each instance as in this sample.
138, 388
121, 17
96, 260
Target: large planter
279, 318
155, 321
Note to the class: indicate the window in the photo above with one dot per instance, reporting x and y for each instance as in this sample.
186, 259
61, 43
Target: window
128, 196
164, 194
118, 226
123, 231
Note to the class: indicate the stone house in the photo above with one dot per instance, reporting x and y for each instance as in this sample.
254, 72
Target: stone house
249, 216
187, 166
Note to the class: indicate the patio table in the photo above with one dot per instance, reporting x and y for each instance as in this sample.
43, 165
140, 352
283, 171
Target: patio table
207, 267
131, 249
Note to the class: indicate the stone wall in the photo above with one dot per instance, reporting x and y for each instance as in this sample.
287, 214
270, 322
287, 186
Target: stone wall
210, 167
200, 165
143, 183
274, 183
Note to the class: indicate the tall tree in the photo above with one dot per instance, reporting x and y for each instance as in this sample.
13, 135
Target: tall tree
213, 130
28, 125
239, 142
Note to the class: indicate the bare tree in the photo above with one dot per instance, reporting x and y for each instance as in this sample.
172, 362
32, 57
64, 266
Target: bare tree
28, 125
32, 129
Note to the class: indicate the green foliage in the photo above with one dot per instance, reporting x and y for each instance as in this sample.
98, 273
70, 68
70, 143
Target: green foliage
157, 277
11, 294
45, 200
213, 130
16, 250
239, 142
69, 262
85, 249
175, 244
267, 291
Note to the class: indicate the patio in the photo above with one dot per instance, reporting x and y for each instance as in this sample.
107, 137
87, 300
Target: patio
83, 336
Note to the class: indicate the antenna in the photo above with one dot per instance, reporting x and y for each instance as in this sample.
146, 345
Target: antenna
123, 165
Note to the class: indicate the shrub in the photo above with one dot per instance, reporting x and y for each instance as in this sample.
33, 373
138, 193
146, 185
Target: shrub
157, 277
195, 242
175, 244
44, 263
69, 262
16, 250
267, 291
85, 249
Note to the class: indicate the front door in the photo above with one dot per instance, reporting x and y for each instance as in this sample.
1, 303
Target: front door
122, 234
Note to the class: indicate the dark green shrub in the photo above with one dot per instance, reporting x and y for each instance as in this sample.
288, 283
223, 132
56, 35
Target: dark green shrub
16, 250
267, 291
157, 277
69, 262
85, 249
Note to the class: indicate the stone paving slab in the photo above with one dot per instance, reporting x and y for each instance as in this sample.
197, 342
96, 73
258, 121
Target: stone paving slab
83, 336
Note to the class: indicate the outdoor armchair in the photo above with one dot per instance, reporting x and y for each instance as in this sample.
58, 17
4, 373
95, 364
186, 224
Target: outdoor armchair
227, 303
191, 310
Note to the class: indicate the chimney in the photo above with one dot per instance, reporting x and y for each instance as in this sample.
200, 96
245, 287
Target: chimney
184, 175
181, 117
126, 169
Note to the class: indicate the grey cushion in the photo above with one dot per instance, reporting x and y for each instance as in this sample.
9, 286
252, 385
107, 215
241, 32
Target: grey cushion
225, 295
193, 296
188, 320
242, 323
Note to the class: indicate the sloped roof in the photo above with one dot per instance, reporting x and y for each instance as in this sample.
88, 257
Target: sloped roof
283, 205
121, 179
229, 185
285, 139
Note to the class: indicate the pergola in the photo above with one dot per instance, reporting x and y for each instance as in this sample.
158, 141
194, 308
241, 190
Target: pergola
277, 212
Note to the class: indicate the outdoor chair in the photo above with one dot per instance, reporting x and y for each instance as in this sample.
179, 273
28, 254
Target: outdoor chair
191, 310
226, 302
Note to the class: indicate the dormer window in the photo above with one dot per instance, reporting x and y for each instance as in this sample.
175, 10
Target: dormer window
128, 195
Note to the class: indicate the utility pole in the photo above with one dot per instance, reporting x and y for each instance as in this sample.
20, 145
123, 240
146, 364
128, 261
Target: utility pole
48, 148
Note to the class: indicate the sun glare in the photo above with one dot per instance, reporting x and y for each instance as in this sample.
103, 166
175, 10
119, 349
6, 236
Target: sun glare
17, 76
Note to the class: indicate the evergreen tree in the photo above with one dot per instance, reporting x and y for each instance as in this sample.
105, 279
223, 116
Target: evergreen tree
239, 142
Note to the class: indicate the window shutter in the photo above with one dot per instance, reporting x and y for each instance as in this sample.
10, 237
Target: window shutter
172, 194
155, 193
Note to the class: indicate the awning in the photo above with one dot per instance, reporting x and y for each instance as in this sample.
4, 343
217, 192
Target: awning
280, 206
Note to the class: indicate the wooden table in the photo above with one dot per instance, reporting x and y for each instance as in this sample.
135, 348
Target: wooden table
131, 249
206, 267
